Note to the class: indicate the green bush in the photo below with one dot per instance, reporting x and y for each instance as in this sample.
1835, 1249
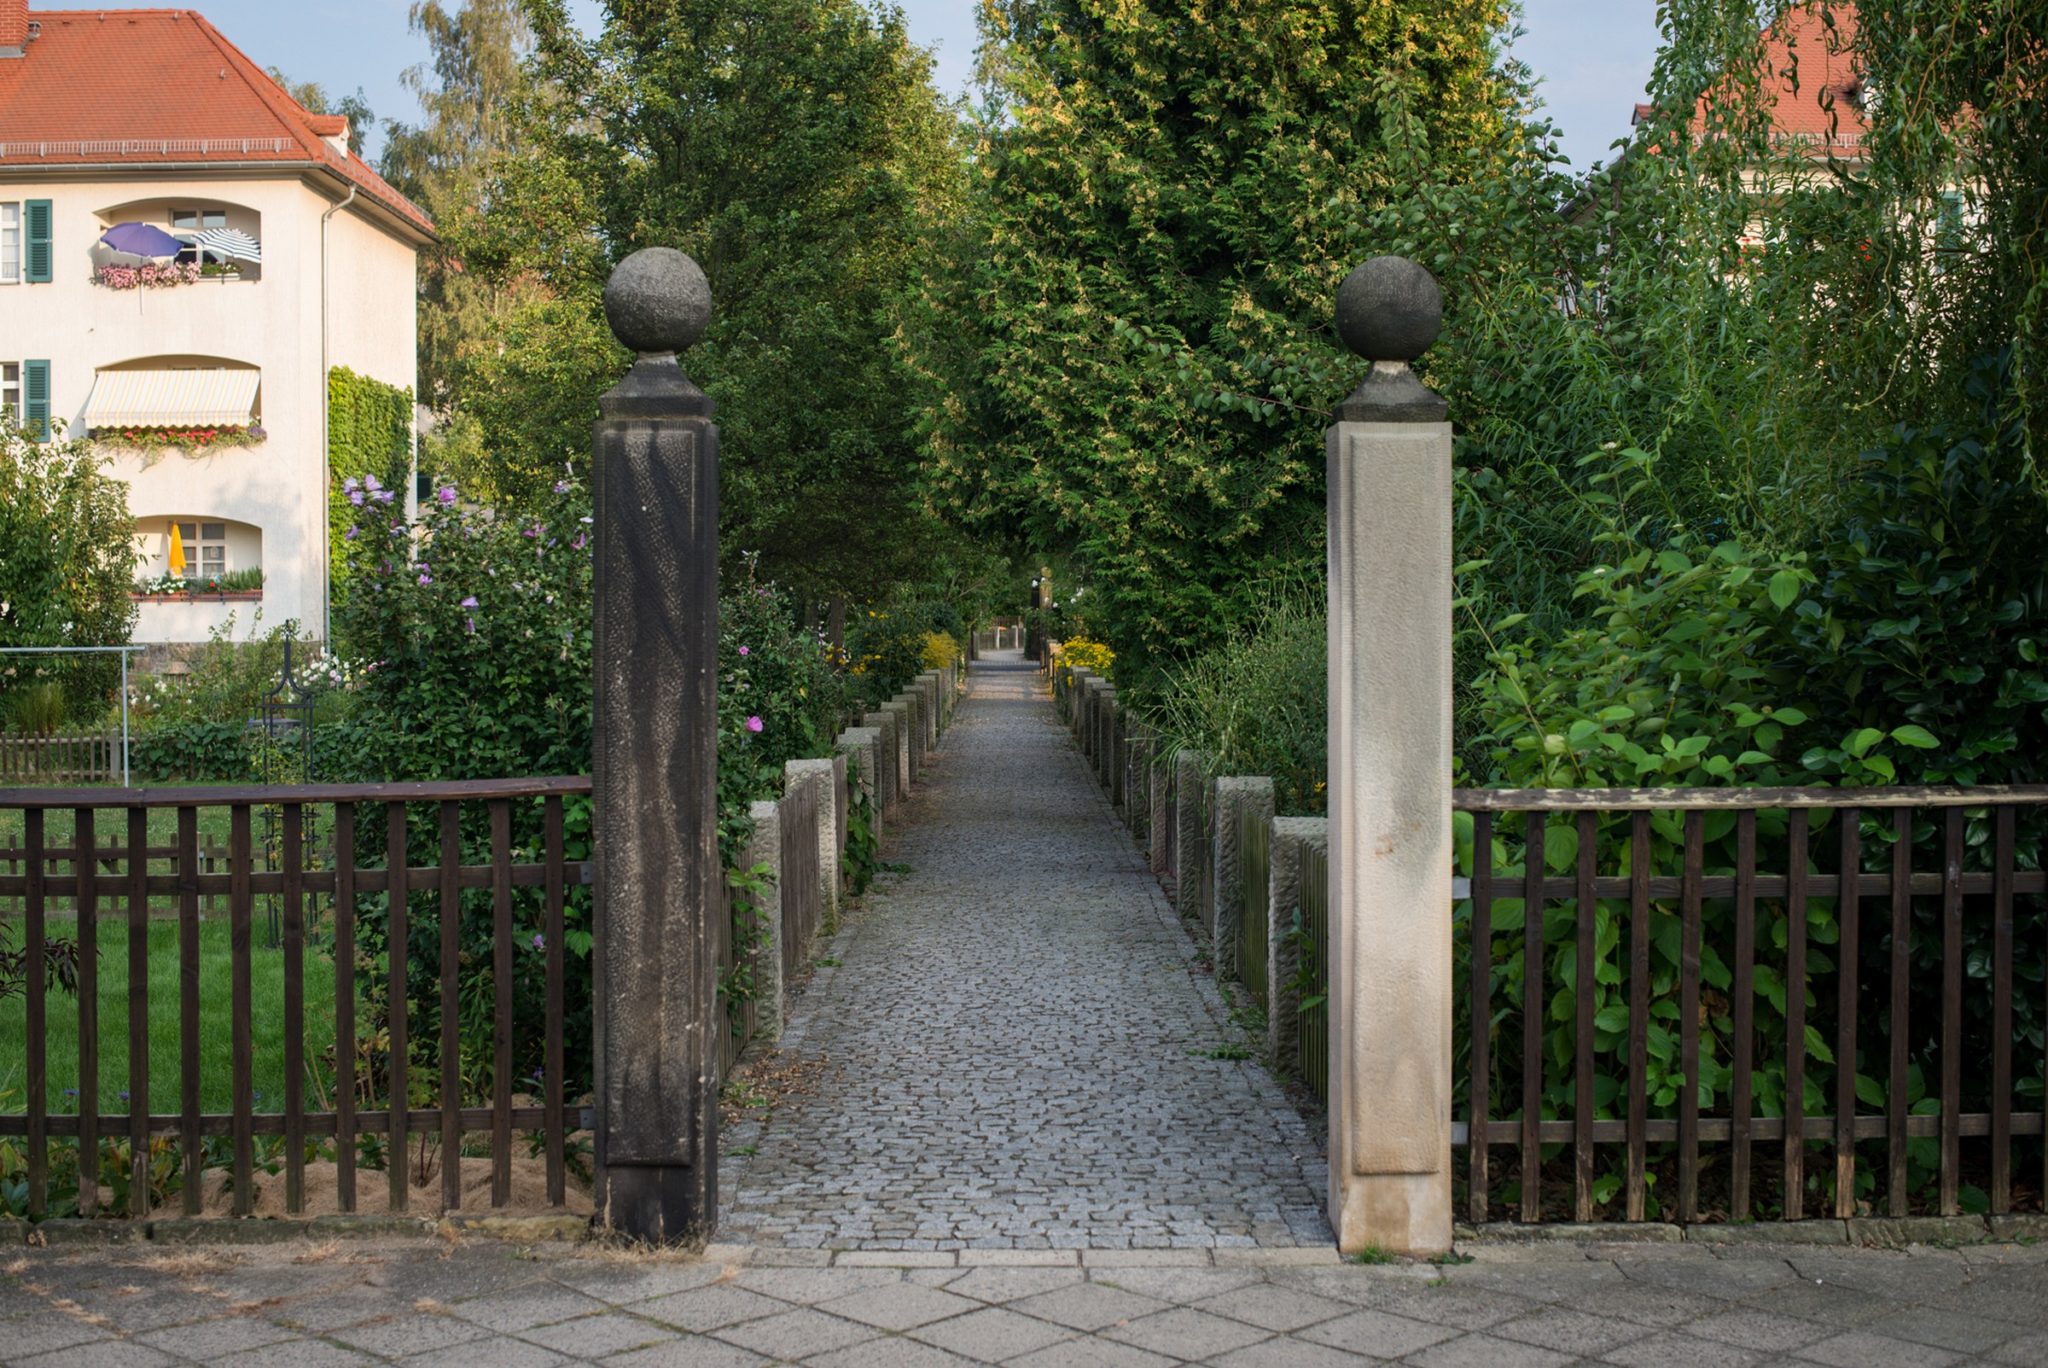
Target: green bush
67, 561
1258, 702
198, 750
885, 651
472, 634
36, 709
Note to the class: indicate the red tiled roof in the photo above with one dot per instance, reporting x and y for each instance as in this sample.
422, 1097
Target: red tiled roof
1810, 79
161, 85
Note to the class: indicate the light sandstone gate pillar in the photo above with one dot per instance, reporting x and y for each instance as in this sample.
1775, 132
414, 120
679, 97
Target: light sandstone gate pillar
654, 777
1390, 776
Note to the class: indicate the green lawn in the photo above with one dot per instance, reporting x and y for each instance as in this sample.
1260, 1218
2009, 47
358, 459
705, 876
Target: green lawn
216, 1067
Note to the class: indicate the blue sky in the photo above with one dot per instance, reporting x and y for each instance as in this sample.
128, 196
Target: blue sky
1594, 55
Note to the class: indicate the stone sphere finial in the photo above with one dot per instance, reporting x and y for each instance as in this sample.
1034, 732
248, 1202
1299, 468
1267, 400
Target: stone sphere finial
1389, 309
657, 300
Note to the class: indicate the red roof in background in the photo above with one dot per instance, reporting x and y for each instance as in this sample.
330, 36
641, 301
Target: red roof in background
1810, 77
162, 85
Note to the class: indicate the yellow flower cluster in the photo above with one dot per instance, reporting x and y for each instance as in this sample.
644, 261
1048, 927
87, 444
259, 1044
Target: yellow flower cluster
1082, 653
940, 650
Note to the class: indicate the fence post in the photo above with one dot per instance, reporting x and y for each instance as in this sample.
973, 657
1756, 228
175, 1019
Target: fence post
822, 776
1189, 849
1293, 837
654, 824
888, 760
1235, 796
1389, 455
1159, 826
899, 710
864, 744
764, 847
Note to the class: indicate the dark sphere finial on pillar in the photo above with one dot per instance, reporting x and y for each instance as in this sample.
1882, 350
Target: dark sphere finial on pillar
1389, 311
657, 301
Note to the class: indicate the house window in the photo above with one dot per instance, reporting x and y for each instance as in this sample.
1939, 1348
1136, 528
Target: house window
206, 548
192, 221
10, 244
10, 392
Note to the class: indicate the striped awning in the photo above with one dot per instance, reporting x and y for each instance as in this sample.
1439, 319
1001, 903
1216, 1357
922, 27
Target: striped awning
173, 398
231, 243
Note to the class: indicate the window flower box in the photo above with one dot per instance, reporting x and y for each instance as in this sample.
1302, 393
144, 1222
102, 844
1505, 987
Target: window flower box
190, 439
236, 586
200, 596
149, 276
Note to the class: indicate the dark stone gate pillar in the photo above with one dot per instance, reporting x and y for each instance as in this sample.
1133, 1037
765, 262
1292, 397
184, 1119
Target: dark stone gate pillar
655, 765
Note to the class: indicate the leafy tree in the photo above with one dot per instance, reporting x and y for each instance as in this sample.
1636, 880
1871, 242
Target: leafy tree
470, 93
1159, 224
67, 564
797, 149
314, 98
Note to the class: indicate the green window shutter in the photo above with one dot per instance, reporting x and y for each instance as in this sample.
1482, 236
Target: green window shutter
35, 398
41, 258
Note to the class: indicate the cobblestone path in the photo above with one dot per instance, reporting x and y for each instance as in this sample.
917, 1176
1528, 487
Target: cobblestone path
1015, 1049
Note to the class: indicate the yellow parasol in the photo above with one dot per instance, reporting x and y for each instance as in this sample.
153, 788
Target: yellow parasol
177, 556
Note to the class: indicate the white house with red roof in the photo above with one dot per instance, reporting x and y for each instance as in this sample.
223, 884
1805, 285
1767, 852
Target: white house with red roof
250, 252
1817, 97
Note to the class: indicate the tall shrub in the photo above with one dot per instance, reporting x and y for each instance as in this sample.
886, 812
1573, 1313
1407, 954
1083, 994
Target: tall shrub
1159, 223
67, 563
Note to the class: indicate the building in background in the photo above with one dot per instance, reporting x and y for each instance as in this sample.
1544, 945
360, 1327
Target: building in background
185, 253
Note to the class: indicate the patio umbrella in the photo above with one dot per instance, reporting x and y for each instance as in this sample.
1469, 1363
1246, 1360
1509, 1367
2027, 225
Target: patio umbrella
176, 559
141, 240
231, 243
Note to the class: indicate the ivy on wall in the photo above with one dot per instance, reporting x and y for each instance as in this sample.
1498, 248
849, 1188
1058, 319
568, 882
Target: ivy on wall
369, 436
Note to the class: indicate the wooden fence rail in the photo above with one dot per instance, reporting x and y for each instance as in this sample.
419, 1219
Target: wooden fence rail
1610, 1031
483, 902
1819, 848
70, 759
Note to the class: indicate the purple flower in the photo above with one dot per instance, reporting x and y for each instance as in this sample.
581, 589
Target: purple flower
349, 535
472, 625
372, 483
577, 545
447, 494
754, 724
350, 485
469, 602
425, 579
383, 496
745, 651
355, 496
561, 486
539, 941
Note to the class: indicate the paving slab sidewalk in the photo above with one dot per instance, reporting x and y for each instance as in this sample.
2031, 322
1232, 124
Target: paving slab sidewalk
342, 1302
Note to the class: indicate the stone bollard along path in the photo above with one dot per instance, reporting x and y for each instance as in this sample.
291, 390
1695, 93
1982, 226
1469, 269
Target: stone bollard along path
1015, 1048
